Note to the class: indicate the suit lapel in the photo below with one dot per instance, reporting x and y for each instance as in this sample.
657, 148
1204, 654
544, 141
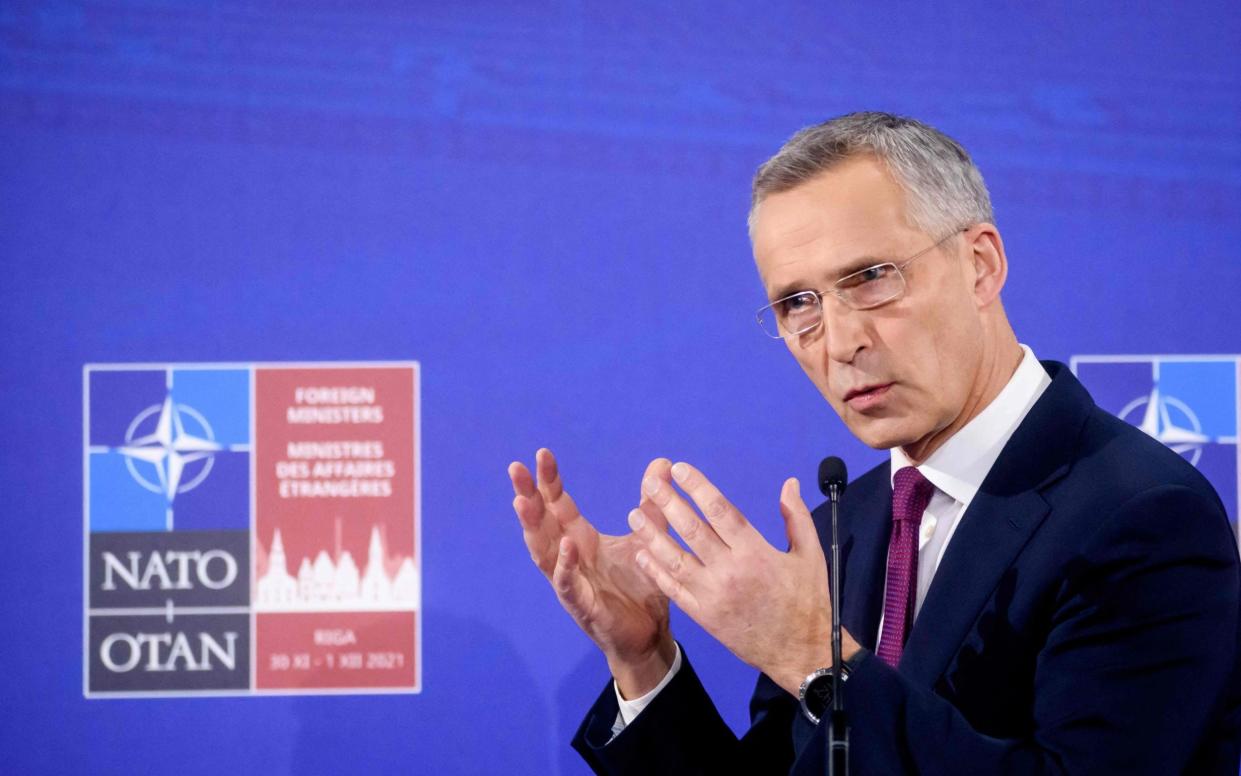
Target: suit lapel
1002, 517
988, 539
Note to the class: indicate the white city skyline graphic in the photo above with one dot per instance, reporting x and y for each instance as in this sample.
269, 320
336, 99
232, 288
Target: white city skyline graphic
335, 583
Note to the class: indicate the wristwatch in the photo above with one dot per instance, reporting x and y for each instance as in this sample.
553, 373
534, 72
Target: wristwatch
815, 694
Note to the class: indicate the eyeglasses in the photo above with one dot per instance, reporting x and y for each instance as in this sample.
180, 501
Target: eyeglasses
865, 289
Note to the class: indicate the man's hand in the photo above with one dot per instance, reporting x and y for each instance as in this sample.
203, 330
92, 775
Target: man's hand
595, 576
769, 608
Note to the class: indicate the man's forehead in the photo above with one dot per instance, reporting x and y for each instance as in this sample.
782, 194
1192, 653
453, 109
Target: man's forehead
790, 228
837, 221
787, 230
843, 203
816, 254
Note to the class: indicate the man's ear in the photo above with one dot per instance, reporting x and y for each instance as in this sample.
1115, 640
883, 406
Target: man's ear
989, 262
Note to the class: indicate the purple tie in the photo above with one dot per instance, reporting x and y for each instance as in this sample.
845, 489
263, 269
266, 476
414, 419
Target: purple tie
910, 494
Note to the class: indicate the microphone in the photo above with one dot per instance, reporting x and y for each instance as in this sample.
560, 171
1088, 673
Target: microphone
833, 477
832, 474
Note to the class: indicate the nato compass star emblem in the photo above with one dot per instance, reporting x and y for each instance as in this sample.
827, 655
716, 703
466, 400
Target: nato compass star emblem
180, 460
1170, 421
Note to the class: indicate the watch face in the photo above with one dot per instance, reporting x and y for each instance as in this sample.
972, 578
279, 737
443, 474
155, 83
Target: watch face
819, 695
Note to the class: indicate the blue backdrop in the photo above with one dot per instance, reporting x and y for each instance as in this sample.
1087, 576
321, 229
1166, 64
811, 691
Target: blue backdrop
544, 204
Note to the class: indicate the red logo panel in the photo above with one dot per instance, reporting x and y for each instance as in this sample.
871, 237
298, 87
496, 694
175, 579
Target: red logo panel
336, 576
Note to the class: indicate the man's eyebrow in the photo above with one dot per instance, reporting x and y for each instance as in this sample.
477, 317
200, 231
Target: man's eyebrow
853, 265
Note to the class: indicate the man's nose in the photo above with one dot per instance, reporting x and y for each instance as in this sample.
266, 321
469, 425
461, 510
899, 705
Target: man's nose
844, 330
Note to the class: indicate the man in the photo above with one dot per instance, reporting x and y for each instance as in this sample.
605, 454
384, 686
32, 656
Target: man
1029, 586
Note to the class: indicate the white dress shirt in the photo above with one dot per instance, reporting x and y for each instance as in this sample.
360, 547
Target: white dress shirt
957, 470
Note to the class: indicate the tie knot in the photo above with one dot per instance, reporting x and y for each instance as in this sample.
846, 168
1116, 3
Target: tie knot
911, 492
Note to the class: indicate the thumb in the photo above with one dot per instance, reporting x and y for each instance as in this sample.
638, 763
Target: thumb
803, 537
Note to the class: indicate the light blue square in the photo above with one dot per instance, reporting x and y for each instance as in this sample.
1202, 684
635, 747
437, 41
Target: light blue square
118, 502
1208, 389
221, 396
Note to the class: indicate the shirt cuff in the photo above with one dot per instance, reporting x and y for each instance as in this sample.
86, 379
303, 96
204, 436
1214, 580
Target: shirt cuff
629, 710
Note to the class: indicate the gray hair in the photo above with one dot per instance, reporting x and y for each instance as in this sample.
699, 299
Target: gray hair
943, 189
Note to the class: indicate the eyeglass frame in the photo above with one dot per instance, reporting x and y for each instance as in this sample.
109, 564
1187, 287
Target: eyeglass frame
835, 291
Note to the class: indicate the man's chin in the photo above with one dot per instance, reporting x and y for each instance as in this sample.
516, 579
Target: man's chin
881, 433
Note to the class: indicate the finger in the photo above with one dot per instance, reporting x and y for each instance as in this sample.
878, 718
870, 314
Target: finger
669, 585
798, 522
679, 564
529, 511
549, 474
527, 501
523, 483
653, 513
729, 524
699, 536
658, 468
557, 501
572, 587
540, 544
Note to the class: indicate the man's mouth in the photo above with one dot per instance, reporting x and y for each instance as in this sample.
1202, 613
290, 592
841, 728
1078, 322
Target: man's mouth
867, 396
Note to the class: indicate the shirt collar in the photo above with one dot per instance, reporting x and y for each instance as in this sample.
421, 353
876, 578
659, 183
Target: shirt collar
960, 465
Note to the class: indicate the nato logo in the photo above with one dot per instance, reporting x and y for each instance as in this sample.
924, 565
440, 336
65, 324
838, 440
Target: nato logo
167, 510
168, 449
1190, 403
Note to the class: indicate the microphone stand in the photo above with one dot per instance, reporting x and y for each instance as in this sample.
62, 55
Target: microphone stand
838, 729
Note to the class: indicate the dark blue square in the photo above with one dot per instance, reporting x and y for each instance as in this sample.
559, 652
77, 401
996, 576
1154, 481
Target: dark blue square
117, 397
1114, 385
221, 501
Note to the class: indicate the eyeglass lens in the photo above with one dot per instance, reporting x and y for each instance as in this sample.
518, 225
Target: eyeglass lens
800, 313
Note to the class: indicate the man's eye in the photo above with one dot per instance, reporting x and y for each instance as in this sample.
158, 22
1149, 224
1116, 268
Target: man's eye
868, 275
796, 304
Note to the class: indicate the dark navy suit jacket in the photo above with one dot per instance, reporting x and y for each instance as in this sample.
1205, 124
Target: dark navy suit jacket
1085, 618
